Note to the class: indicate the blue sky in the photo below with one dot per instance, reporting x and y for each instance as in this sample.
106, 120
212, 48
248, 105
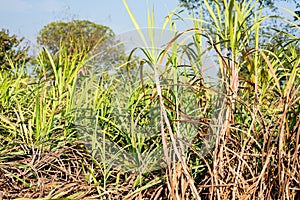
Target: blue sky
26, 18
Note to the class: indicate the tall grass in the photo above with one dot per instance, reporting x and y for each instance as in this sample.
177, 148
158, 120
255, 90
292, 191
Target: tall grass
156, 127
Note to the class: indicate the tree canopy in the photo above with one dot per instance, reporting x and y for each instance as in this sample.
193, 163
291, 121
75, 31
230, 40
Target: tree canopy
10, 48
82, 36
193, 5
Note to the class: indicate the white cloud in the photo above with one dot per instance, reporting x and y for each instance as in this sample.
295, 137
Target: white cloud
15, 6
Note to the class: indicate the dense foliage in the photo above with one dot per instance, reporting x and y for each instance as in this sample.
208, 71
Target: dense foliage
75, 35
194, 5
11, 51
83, 37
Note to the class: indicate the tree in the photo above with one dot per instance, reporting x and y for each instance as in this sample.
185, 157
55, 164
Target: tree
193, 7
75, 34
11, 49
85, 37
